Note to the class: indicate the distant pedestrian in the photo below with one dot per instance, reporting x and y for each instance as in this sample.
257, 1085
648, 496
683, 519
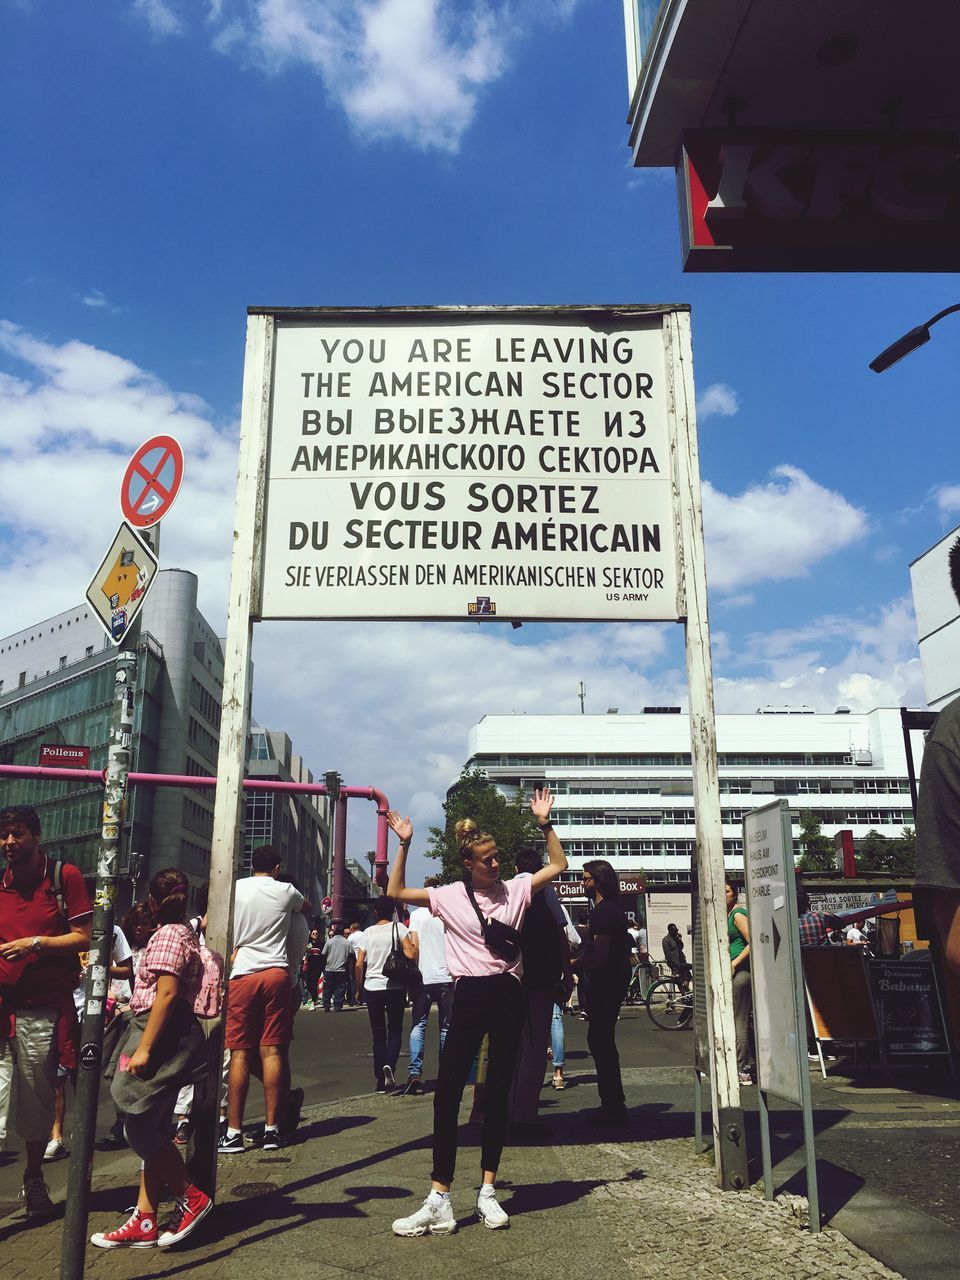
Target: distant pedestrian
386, 997
314, 968
164, 1048
813, 926
45, 916
259, 1020
336, 954
481, 915
675, 956
606, 958
738, 938
436, 988
356, 942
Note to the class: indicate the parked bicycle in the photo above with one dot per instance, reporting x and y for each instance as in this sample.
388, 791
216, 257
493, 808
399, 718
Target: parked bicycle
670, 1004
642, 977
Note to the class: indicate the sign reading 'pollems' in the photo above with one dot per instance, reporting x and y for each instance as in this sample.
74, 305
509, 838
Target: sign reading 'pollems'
484, 466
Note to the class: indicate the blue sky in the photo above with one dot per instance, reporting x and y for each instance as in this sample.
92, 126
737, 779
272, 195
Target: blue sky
168, 164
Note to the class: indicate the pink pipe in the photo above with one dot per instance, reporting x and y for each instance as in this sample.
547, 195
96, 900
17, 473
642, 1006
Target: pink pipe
194, 780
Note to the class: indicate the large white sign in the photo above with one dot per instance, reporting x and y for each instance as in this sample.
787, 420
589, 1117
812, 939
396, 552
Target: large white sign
774, 949
480, 464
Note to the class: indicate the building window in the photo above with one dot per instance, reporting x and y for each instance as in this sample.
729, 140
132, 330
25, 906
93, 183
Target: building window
63, 661
89, 651
22, 679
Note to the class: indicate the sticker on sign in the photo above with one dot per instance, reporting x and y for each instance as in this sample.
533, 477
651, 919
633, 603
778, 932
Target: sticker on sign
120, 585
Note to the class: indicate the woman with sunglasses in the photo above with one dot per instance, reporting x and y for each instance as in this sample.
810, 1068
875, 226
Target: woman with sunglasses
488, 1000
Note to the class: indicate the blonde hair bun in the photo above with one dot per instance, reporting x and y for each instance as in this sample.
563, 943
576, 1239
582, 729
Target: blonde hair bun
465, 831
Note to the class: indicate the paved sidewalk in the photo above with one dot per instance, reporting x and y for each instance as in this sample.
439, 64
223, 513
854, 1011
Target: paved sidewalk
640, 1205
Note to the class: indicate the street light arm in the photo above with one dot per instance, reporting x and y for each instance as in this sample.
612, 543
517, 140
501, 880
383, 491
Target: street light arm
909, 342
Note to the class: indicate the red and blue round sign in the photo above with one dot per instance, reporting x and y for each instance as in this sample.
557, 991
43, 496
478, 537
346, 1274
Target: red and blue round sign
151, 481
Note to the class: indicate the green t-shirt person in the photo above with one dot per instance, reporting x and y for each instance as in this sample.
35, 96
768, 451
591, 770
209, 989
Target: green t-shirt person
734, 936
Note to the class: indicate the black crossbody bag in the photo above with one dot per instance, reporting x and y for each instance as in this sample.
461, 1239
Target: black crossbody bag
502, 939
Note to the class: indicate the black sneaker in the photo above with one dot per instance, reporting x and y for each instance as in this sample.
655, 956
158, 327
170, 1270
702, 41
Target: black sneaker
231, 1146
271, 1139
412, 1089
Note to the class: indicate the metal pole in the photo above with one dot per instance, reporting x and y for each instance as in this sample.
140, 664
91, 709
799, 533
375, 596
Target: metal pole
98, 969
729, 1145
243, 606
339, 859
765, 1155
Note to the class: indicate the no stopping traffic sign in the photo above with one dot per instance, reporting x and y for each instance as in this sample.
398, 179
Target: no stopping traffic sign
151, 481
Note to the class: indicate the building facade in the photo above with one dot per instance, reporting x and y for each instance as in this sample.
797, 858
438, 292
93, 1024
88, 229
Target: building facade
624, 783
57, 689
938, 622
296, 823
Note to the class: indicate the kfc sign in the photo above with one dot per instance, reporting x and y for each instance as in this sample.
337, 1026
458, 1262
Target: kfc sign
754, 200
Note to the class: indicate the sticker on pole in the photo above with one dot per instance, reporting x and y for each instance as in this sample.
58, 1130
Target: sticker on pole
151, 481
120, 585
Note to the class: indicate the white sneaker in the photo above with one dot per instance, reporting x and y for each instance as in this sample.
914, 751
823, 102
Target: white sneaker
489, 1211
55, 1150
434, 1218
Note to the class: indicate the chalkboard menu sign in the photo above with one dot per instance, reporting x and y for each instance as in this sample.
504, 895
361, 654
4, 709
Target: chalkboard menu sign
908, 1006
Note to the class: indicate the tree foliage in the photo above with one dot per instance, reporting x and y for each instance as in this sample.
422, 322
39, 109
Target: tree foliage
879, 855
819, 854
510, 822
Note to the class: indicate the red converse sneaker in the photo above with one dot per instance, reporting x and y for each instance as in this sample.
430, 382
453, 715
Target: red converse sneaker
139, 1232
191, 1209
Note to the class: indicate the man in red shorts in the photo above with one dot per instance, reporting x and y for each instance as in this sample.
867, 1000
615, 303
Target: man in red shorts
44, 923
259, 1016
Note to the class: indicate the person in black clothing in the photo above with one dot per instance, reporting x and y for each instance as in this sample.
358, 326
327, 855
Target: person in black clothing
546, 966
675, 957
607, 960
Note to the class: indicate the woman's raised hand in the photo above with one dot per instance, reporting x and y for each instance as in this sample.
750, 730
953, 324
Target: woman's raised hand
402, 826
541, 803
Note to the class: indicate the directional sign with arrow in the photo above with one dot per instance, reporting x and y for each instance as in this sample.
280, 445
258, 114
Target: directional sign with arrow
771, 908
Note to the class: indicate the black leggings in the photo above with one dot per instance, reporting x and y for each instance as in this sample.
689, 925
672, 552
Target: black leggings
481, 1006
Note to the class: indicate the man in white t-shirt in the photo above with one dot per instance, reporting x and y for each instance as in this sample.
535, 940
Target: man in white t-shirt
427, 936
259, 1014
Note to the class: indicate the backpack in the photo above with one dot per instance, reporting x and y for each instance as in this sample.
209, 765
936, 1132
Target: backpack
541, 947
209, 999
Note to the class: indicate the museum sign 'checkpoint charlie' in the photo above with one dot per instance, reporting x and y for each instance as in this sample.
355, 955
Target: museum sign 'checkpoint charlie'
457, 464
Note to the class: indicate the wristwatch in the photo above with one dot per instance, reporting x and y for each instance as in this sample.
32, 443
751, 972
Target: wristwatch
37, 944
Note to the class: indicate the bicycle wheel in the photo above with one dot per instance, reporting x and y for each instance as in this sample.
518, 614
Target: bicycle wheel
668, 1006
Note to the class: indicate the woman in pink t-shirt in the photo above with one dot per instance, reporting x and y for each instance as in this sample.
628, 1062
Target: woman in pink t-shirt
488, 1000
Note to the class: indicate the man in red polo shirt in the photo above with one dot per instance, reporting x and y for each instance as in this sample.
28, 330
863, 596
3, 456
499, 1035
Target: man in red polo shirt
39, 944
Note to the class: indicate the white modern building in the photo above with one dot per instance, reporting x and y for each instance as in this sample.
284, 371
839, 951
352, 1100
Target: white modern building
624, 783
938, 622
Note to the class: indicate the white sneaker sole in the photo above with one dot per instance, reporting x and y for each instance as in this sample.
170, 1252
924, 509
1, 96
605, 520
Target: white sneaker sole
100, 1243
493, 1226
441, 1229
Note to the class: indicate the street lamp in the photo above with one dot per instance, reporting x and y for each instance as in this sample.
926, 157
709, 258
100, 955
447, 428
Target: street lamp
909, 342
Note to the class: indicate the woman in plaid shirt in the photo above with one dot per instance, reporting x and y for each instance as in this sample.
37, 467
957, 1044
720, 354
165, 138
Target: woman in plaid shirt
161, 1051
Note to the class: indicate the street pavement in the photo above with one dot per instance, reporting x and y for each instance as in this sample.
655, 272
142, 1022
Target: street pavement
601, 1203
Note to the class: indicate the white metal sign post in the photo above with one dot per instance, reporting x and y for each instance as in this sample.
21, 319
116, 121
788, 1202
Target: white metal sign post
777, 977
533, 463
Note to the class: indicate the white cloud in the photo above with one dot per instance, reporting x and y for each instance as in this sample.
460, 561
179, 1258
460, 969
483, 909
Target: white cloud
98, 301
777, 530
947, 498
158, 16
412, 69
73, 416
717, 401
